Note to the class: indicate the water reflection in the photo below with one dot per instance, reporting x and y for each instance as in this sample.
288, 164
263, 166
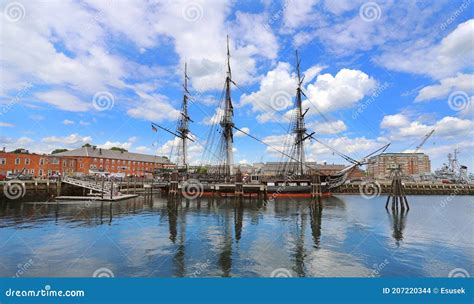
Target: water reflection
152, 236
398, 222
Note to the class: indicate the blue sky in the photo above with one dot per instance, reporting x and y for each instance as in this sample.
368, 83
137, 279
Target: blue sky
99, 71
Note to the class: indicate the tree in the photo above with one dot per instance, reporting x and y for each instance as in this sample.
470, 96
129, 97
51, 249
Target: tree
20, 150
118, 149
88, 145
59, 151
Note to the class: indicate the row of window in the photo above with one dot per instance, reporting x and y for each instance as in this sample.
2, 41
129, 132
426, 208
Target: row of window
55, 161
123, 162
40, 172
120, 168
27, 161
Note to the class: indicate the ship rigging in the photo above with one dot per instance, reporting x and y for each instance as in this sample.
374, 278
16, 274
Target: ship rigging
224, 125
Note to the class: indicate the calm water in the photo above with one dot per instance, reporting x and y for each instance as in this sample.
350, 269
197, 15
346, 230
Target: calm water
344, 236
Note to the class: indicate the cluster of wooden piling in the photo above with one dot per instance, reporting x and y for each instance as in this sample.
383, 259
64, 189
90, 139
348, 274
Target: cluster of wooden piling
397, 192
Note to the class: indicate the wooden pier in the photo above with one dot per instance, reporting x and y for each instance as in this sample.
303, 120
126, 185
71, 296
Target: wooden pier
51, 189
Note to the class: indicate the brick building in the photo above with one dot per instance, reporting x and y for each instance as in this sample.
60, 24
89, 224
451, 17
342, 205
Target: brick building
82, 161
410, 163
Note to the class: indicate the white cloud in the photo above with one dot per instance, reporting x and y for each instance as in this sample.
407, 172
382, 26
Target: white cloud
63, 101
468, 111
68, 122
276, 91
330, 93
463, 82
298, 13
142, 149
451, 55
251, 29
110, 144
154, 108
331, 127
214, 119
70, 140
447, 128
397, 120
6, 124
195, 150
240, 134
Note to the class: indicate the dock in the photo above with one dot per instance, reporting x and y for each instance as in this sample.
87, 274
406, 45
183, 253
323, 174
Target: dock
74, 190
96, 198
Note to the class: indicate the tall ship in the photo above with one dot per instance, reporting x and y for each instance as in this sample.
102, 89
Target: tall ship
294, 175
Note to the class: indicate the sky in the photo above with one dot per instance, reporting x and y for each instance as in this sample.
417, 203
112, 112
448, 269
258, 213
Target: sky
98, 72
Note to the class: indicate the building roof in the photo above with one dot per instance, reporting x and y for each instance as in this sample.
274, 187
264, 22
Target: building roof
112, 154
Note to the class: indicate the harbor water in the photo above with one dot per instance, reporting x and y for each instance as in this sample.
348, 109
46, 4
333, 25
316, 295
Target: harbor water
343, 236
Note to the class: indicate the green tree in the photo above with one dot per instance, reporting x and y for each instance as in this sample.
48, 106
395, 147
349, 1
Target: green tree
88, 145
118, 149
59, 151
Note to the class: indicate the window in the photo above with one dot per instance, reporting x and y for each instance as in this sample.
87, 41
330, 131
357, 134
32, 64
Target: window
54, 161
107, 160
41, 161
32, 171
27, 161
101, 160
3, 161
95, 160
17, 161
64, 163
40, 172
113, 161
81, 166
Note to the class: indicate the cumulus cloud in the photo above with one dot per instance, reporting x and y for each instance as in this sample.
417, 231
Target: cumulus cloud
463, 82
391, 121
330, 93
327, 93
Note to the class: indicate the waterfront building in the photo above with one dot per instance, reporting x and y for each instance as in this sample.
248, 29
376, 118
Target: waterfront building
82, 161
410, 164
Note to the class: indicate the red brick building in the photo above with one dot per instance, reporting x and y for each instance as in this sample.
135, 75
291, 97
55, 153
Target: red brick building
82, 161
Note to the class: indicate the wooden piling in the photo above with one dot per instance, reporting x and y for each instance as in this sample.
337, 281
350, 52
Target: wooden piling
397, 191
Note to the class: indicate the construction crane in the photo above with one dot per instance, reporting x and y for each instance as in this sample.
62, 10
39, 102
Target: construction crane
427, 136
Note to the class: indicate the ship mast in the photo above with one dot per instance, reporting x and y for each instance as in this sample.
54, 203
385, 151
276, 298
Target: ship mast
227, 120
183, 128
300, 129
